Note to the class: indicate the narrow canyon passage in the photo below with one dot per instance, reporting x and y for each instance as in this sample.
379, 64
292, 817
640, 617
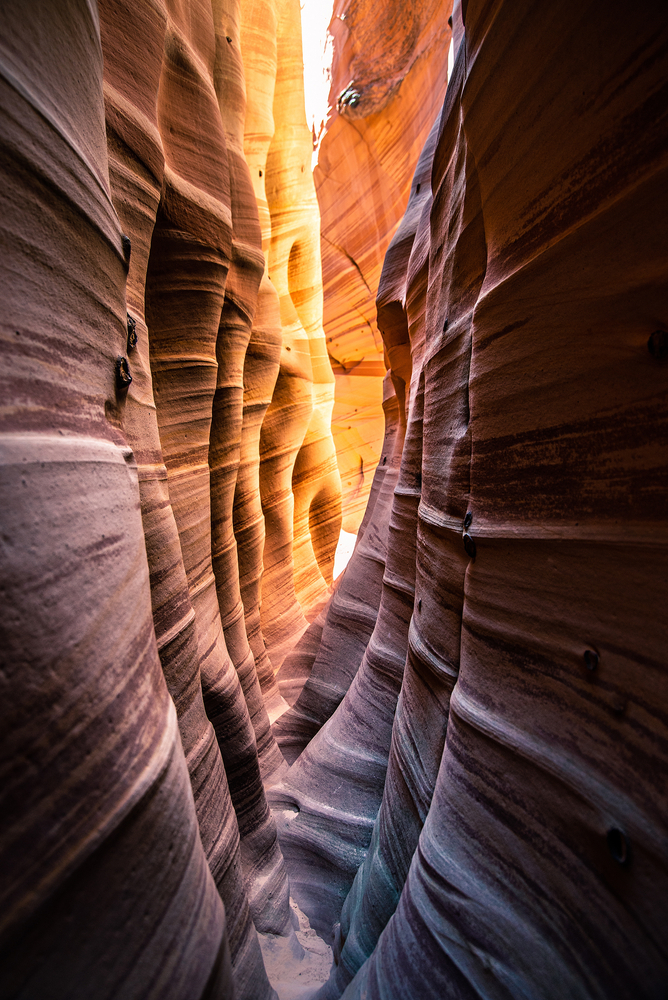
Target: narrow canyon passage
409, 316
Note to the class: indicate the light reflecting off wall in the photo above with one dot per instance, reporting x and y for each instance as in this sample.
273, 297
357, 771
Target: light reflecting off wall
344, 550
317, 49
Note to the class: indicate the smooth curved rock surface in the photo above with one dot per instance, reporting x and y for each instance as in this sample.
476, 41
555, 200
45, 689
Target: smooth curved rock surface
296, 667
299, 478
234, 332
192, 249
388, 78
337, 782
480, 743
192, 382
136, 171
262, 361
526, 746
106, 888
352, 611
407, 737
546, 810
326, 805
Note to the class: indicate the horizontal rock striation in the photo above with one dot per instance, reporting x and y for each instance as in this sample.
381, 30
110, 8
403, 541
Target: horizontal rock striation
299, 479
192, 251
518, 847
338, 797
134, 160
388, 78
409, 732
351, 614
262, 361
106, 887
477, 740
136, 389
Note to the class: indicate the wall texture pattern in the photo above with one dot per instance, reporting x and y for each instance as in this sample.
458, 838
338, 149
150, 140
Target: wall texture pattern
143, 342
520, 845
467, 793
388, 79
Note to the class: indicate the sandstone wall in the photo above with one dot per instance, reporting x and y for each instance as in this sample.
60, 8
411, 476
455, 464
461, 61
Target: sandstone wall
106, 885
476, 803
389, 74
518, 751
134, 248
299, 479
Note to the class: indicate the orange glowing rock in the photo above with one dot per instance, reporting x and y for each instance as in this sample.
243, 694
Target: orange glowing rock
299, 478
388, 79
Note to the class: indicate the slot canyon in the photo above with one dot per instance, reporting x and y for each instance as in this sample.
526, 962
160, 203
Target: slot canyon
437, 321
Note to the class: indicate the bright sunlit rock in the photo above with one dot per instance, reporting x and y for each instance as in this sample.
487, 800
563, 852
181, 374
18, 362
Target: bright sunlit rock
344, 550
317, 48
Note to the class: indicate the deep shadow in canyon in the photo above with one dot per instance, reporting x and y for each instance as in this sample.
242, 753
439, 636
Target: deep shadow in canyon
452, 760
